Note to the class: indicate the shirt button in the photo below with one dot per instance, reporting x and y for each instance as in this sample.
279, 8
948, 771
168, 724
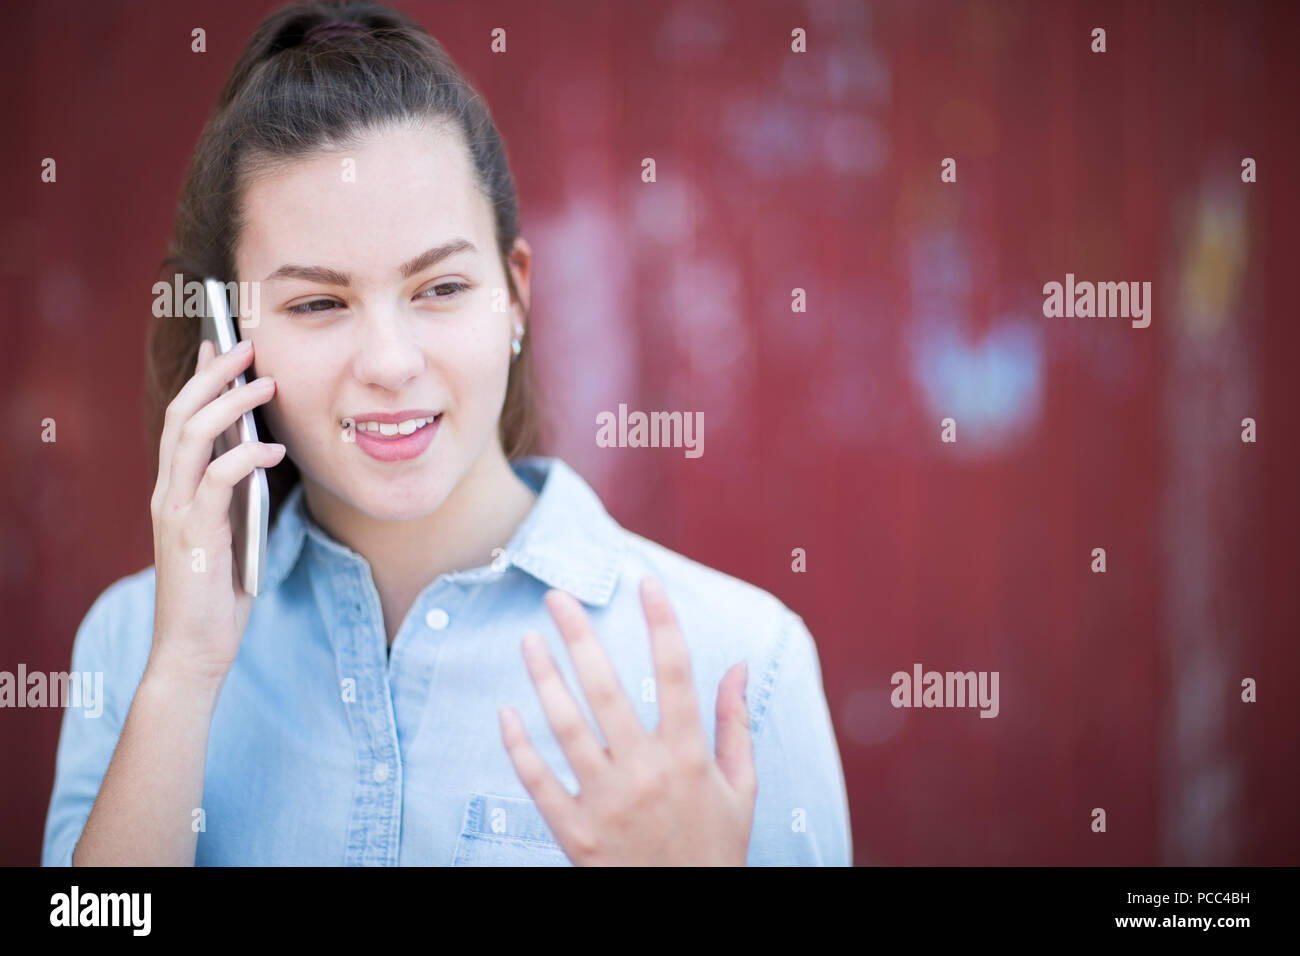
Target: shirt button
381, 772
437, 619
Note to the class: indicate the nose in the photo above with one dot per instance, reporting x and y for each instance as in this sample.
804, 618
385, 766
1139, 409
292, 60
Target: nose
387, 356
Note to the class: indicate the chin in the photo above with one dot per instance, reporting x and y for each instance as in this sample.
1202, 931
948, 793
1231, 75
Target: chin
397, 500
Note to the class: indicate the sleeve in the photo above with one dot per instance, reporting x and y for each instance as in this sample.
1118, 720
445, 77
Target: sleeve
89, 734
801, 815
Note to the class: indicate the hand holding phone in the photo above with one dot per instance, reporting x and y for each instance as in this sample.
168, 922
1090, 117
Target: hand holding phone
210, 536
250, 503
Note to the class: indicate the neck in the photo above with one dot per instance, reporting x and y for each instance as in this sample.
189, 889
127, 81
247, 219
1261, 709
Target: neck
481, 514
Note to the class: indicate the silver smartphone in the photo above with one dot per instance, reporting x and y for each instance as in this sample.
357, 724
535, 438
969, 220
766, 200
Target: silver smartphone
250, 505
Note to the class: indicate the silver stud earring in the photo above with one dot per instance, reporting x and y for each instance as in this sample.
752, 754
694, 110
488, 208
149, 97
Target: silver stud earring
516, 343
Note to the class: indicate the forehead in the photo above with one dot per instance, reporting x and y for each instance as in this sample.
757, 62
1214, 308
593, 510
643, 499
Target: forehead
366, 208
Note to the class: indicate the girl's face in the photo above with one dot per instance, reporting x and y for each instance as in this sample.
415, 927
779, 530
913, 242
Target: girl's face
381, 291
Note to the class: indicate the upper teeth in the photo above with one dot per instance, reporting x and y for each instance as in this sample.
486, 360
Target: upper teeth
401, 428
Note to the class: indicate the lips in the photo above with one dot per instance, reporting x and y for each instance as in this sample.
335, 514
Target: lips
395, 436
391, 418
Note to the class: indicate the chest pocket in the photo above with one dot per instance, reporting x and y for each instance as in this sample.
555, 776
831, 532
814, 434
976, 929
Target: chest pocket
506, 831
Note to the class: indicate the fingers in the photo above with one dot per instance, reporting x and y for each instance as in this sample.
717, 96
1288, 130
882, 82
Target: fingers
735, 744
581, 748
558, 806
214, 493
679, 715
212, 373
600, 684
194, 446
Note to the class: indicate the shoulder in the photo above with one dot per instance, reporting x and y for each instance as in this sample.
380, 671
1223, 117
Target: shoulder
117, 630
694, 586
572, 541
723, 619
125, 597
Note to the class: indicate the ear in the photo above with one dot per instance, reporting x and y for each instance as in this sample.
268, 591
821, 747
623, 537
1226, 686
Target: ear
520, 262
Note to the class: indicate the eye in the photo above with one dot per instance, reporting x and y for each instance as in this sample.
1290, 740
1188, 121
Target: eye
315, 305
458, 288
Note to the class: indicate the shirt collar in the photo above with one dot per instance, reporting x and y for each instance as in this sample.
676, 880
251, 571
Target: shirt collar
568, 541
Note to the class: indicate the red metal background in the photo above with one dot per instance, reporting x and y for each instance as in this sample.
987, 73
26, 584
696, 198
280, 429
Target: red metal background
818, 171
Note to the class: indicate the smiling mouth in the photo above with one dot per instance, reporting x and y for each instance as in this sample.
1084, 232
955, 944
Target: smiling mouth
382, 430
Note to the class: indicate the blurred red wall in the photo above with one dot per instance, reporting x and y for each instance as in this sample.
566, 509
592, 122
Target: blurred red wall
817, 171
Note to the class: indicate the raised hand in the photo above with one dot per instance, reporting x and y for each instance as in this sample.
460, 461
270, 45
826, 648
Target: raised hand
649, 798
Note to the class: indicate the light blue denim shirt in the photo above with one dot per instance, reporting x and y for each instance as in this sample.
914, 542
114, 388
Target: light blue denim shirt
323, 750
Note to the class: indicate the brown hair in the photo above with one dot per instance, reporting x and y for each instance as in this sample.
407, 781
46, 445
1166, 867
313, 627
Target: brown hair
305, 82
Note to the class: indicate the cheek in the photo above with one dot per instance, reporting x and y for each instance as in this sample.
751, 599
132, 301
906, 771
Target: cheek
284, 412
477, 373
297, 402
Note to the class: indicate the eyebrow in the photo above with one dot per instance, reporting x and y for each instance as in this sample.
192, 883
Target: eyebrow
329, 276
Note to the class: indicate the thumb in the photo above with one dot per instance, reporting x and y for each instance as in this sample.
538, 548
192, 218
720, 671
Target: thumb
734, 745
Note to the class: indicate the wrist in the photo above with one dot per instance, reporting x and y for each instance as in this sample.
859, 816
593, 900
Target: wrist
182, 680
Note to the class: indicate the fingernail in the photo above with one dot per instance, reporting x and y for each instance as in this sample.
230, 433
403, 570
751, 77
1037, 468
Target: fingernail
555, 598
245, 345
653, 586
506, 718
